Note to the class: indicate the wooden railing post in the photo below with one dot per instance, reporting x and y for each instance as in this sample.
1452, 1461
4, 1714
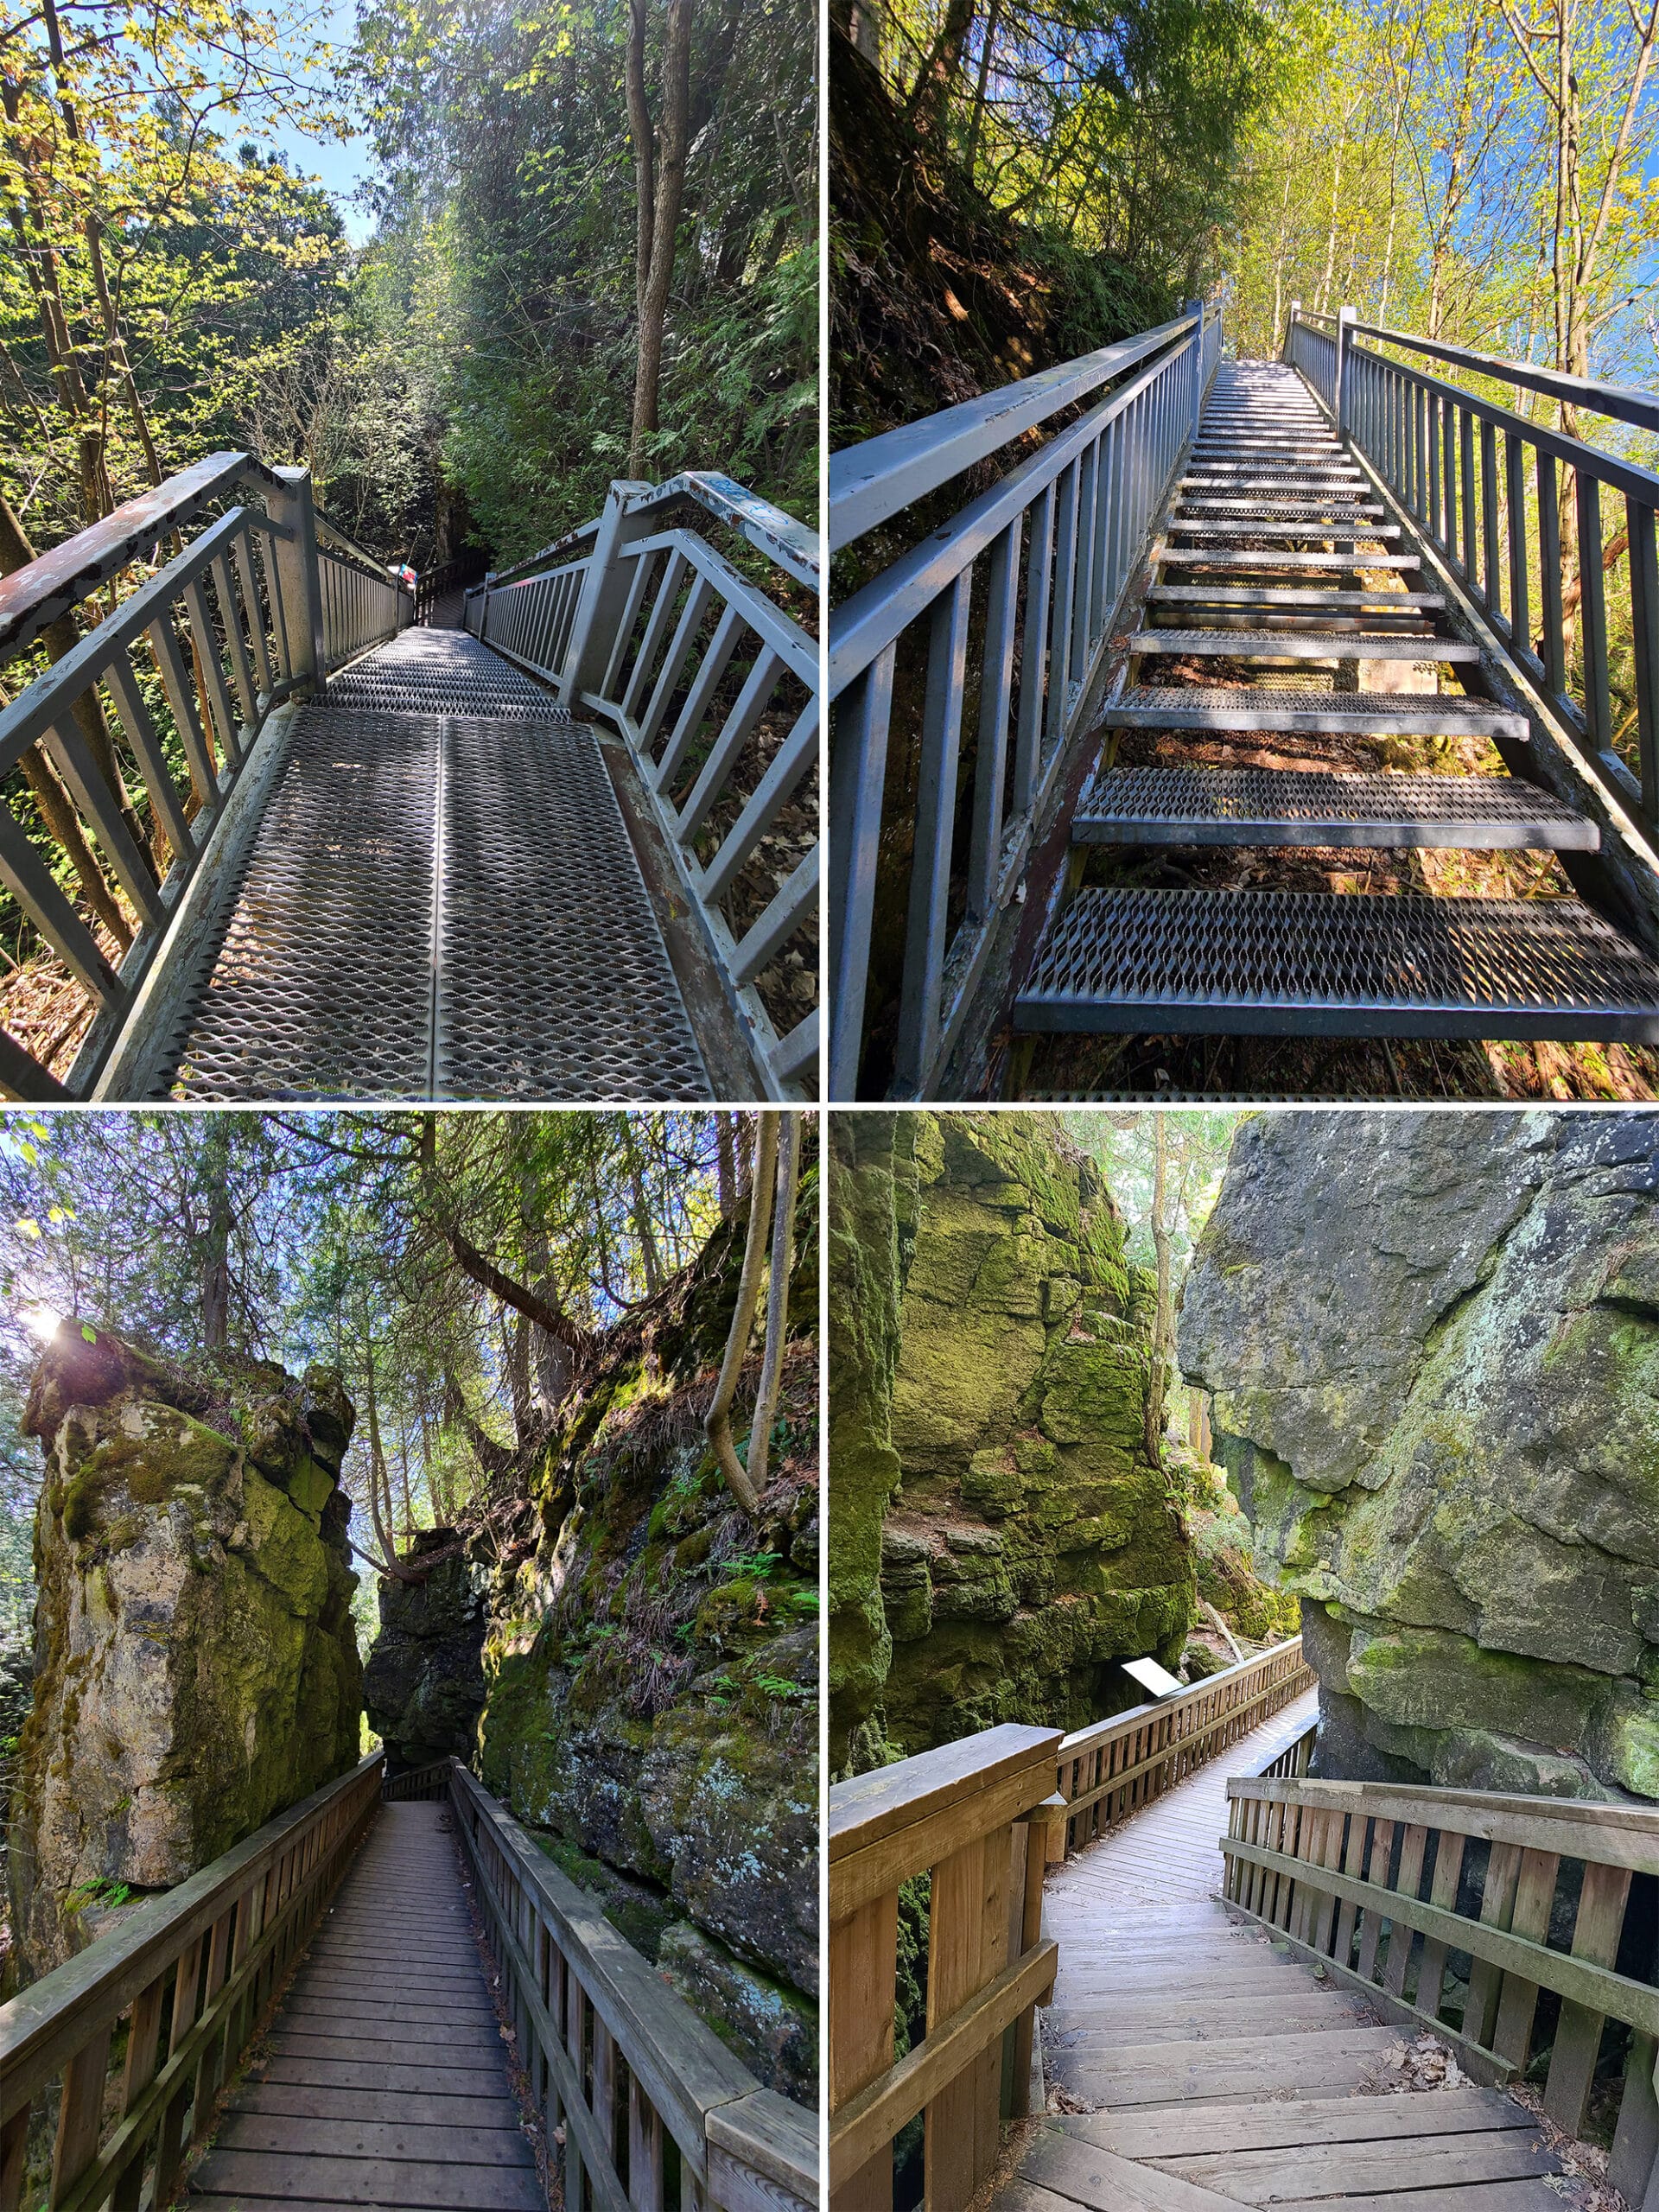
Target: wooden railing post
1044, 1847
604, 595
298, 577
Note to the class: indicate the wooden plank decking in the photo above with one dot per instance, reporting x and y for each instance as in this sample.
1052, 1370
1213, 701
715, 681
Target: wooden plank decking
1220, 2075
387, 2082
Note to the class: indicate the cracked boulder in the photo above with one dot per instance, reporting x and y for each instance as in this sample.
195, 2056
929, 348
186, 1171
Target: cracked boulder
1433, 1345
195, 1663
423, 1685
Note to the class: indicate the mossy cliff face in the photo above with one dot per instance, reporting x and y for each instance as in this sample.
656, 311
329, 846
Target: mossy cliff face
423, 1687
650, 1658
1026, 1544
1434, 1340
195, 1664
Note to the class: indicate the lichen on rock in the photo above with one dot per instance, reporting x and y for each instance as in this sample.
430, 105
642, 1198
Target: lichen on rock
1000, 1539
195, 1661
1433, 1343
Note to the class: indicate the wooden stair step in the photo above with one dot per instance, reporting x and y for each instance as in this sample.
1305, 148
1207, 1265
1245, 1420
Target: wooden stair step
1078, 2173
1344, 2170
1274, 2125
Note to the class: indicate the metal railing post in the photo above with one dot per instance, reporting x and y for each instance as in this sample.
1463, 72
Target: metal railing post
1195, 306
604, 590
298, 577
1290, 326
1339, 389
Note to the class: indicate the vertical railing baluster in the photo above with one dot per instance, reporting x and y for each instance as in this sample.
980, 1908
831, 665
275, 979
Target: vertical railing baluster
1038, 552
927, 931
1466, 459
1492, 566
1644, 622
1593, 617
1515, 475
1065, 565
995, 691
1550, 574
858, 768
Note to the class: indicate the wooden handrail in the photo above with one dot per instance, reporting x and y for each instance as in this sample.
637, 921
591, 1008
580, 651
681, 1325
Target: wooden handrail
1380, 1884
616, 2057
1115, 1766
191, 1974
980, 1818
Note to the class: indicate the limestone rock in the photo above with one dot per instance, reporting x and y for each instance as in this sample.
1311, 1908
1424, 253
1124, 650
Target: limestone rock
195, 1662
1433, 1343
764, 2021
999, 1539
423, 1685
649, 1658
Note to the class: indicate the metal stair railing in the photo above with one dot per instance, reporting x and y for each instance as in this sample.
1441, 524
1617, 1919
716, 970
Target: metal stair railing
1012, 601
273, 597
637, 620
1472, 1903
141, 2031
1485, 488
658, 2115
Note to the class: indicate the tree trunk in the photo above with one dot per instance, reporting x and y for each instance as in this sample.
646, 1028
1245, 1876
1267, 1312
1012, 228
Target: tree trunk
725, 1166
670, 182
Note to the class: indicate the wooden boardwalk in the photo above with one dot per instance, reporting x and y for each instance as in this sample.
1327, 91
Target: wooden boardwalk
387, 2082
1218, 2075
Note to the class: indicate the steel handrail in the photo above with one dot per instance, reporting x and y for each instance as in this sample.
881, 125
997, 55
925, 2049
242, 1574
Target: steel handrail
870, 482
1624, 403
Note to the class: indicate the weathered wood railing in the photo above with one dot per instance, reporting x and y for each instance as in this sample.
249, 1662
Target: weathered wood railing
1010, 604
273, 597
1515, 510
637, 620
982, 1819
1112, 1768
183, 1984
1499, 1923
657, 2112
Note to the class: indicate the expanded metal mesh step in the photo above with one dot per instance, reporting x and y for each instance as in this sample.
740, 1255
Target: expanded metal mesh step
1295, 806
1223, 557
436, 906
1341, 533
1297, 963
1258, 707
443, 672
1304, 645
1307, 596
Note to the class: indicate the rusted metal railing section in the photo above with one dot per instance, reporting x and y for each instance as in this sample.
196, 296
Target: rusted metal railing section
175, 684
637, 620
1114, 1767
177, 1991
1505, 1924
1552, 539
658, 2115
982, 1819
1007, 608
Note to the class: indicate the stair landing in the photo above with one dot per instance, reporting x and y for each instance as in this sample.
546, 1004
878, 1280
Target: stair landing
440, 900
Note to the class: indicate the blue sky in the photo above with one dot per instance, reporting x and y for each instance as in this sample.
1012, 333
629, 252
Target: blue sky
342, 169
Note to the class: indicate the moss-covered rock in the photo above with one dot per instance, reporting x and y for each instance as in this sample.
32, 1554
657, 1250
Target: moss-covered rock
649, 1665
1000, 1539
423, 1685
195, 1665
1434, 1340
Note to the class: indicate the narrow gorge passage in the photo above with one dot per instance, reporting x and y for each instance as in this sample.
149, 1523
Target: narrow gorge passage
1218, 2073
387, 2077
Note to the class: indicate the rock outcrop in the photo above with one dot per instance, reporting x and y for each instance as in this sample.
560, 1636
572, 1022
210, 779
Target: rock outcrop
651, 1664
999, 1539
195, 1661
423, 1687
1433, 1343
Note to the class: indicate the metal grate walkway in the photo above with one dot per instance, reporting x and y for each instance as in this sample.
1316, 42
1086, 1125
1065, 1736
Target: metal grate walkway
1283, 612
440, 900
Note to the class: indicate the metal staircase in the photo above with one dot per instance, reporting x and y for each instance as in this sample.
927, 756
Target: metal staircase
1307, 660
